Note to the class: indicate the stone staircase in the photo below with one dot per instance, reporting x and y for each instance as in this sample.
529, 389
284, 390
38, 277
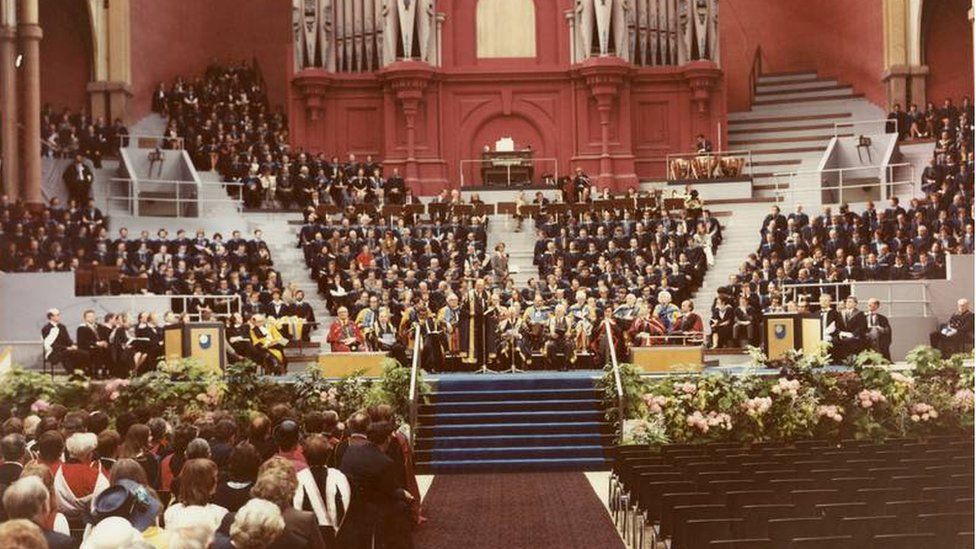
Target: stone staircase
282, 239
791, 122
519, 245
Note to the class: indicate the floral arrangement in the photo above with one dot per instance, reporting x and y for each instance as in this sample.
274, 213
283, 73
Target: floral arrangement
187, 389
802, 400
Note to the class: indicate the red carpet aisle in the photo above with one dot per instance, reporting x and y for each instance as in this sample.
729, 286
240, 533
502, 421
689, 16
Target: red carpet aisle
515, 511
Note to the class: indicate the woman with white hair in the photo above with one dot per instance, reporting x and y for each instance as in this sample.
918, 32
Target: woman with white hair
665, 311
256, 525
79, 481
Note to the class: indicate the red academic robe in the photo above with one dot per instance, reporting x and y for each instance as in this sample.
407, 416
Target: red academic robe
338, 332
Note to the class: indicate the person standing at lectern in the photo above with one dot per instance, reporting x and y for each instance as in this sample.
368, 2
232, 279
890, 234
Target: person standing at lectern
879, 329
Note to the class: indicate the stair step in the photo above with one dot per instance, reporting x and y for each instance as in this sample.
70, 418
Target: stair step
439, 455
481, 429
554, 464
786, 76
795, 100
509, 406
818, 138
812, 89
508, 383
748, 117
515, 394
464, 418
497, 441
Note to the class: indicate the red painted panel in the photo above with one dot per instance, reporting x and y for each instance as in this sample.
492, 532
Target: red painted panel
837, 38
65, 53
948, 50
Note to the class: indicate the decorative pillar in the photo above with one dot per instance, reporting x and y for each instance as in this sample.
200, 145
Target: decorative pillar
312, 85
110, 90
30, 35
904, 73
703, 77
9, 165
604, 77
408, 80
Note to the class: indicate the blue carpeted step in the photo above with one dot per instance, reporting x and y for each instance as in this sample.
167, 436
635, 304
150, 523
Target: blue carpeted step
511, 417
533, 452
505, 465
489, 429
467, 382
511, 441
513, 394
510, 406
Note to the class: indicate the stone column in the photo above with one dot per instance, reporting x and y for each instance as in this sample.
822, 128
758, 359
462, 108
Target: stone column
408, 80
604, 77
30, 35
312, 86
703, 77
9, 165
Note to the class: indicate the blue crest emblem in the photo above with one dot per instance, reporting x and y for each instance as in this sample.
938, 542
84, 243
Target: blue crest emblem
204, 341
780, 331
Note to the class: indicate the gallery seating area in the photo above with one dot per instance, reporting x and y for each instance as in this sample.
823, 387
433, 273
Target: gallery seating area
814, 493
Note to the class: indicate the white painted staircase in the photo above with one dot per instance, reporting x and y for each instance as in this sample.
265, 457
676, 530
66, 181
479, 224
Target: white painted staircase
790, 123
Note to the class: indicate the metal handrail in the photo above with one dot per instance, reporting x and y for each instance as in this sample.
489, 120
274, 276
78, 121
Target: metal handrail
883, 121
888, 284
131, 195
414, 371
617, 381
886, 181
127, 140
755, 73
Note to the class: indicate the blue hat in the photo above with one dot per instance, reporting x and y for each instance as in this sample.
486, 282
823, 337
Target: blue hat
129, 500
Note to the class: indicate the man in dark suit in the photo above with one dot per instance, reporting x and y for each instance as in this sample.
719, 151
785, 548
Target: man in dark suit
58, 347
78, 179
29, 499
376, 496
956, 335
830, 323
90, 340
879, 329
852, 330
393, 188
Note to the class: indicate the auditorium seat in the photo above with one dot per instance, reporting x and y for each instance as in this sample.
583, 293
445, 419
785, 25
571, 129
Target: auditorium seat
904, 541
839, 493
741, 544
821, 542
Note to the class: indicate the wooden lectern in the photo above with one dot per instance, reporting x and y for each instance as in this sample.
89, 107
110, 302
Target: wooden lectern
791, 331
203, 341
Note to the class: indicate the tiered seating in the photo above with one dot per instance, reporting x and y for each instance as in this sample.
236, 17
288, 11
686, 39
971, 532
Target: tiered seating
896, 493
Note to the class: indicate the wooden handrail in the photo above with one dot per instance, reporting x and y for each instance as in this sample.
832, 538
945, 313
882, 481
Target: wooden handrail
755, 73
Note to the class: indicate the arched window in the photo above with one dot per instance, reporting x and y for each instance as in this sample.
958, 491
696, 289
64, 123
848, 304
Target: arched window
506, 28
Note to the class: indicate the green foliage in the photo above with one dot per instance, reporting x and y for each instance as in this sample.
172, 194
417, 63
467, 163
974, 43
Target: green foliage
633, 390
22, 388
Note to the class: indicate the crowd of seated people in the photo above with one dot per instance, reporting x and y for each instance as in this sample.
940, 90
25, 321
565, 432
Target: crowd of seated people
842, 246
946, 121
278, 480
385, 277
59, 239
65, 134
